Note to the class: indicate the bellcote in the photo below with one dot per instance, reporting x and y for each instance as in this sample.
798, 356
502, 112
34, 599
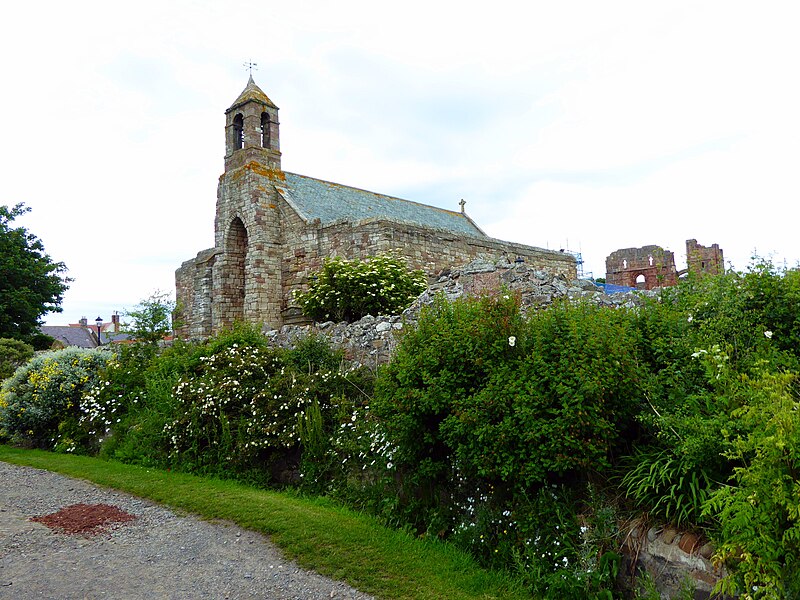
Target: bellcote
252, 130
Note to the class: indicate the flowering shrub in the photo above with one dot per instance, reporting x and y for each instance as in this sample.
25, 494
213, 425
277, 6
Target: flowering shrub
246, 406
347, 290
40, 405
121, 388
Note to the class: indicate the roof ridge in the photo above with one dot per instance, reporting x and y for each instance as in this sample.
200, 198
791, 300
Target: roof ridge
352, 187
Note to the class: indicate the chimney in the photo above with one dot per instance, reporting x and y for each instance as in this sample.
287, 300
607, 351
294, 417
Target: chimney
83, 322
115, 321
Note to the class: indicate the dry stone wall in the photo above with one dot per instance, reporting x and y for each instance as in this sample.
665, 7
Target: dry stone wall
372, 340
674, 559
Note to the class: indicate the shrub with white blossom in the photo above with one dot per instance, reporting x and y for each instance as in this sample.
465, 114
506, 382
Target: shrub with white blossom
347, 290
245, 406
40, 405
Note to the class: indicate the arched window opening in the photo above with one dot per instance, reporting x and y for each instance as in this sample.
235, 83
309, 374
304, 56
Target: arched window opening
640, 281
264, 130
238, 132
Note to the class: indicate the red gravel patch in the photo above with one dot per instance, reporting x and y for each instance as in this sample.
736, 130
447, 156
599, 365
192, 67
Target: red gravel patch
85, 519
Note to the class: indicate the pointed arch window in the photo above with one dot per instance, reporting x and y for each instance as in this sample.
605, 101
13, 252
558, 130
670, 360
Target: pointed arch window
265, 130
238, 132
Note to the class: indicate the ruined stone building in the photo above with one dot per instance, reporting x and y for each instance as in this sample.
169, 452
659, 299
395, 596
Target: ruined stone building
650, 267
272, 229
704, 260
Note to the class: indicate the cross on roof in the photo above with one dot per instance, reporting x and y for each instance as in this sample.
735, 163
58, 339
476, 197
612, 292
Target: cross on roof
462, 204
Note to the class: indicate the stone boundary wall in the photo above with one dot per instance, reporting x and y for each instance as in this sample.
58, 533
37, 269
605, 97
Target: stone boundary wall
673, 558
372, 340
431, 250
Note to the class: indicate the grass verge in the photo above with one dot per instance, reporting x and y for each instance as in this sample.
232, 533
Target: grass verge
329, 539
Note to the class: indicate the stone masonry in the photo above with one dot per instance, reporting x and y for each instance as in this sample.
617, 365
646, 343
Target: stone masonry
273, 229
704, 260
650, 267
644, 268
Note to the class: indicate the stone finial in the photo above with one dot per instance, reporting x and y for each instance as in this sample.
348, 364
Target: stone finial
462, 204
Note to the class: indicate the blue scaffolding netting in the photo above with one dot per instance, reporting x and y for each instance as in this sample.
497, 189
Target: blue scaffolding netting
610, 288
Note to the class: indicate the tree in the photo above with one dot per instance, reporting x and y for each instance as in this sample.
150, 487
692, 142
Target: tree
151, 319
13, 353
31, 284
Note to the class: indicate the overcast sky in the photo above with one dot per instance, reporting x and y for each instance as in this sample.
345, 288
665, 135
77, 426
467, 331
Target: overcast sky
590, 126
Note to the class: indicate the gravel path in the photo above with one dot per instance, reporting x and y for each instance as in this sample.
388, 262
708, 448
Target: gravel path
157, 555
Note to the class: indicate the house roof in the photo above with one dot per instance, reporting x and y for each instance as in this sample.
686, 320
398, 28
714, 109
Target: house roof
71, 336
112, 337
332, 203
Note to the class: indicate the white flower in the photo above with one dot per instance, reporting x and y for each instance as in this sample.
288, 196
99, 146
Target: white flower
689, 319
768, 335
512, 341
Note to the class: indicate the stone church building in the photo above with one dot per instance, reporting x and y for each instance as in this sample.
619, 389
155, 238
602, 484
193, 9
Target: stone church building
273, 229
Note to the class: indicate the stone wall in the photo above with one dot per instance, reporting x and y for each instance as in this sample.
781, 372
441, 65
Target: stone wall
371, 340
430, 250
248, 231
704, 260
646, 268
266, 251
193, 289
674, 559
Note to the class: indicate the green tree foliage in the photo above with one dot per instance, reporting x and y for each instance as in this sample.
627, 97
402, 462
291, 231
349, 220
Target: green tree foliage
13, 353
347, 290
31, 284
501, 401
151, 320
495, 429
499, 420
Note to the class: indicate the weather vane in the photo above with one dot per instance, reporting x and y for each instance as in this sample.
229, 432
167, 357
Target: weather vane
250, 65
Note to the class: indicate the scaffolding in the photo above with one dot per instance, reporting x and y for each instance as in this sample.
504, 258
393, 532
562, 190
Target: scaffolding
579, 265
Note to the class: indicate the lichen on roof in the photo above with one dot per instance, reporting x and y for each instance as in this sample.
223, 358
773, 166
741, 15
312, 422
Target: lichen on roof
334, 203
252, 93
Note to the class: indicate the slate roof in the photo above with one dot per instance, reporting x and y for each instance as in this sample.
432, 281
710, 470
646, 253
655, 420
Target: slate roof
111, 337
71, 336
333, 203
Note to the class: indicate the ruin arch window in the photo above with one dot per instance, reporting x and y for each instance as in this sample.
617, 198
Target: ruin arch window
265, 130
640, 280
238, 132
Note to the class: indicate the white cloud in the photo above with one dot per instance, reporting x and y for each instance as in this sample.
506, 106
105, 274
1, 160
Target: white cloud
593, 125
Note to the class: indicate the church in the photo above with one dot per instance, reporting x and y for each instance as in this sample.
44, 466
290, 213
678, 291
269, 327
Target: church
273, 230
